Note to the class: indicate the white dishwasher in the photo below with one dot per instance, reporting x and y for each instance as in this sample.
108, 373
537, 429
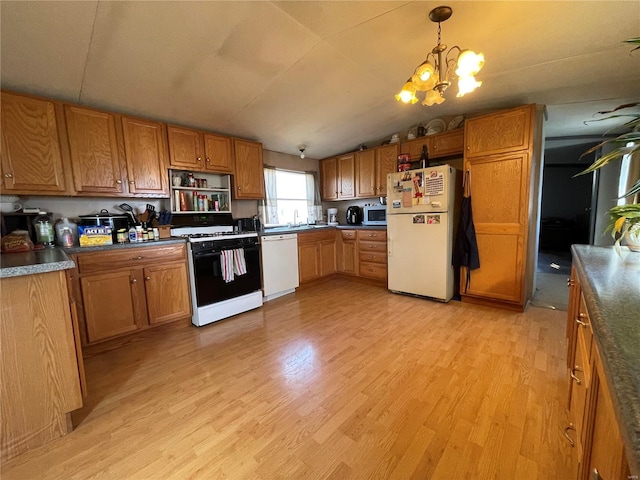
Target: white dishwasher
279, 265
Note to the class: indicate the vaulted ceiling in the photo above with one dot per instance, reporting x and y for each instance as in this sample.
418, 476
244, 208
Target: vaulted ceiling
322, 74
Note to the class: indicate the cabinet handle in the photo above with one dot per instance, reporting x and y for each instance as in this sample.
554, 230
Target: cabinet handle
8, 175
131, 182
238, 188
566, 434
576, 379
580, 322
570, 283
200, 158
373, 234
118, 182
147, 278
134, 280
139, 257
207, 159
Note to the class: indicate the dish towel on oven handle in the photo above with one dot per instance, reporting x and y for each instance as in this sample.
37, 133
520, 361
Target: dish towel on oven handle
239, 264
232, 263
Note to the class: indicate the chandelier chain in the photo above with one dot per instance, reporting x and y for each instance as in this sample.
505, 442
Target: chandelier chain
439, 30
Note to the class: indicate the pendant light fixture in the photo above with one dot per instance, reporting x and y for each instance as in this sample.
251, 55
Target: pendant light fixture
436, 73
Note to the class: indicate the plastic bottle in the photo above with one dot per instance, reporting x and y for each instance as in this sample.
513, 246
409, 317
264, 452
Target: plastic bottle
66, 232
133, 236
44, 229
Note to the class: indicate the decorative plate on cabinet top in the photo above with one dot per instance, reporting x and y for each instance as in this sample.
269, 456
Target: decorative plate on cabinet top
455, 122
412, 133
436, 125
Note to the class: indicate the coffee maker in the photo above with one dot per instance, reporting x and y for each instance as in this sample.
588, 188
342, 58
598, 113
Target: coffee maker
332, 216
354, 215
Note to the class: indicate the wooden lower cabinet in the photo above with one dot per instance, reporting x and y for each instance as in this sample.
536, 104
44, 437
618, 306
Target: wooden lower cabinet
347, 249
372, 248
125, 291
593, 430
316, 254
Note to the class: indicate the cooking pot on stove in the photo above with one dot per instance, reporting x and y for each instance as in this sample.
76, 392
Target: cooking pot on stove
106, 219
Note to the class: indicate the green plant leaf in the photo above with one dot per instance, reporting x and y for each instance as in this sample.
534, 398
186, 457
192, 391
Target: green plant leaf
633, 190
609, 157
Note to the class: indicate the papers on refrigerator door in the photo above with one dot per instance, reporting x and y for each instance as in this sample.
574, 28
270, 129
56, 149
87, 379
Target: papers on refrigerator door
434, 184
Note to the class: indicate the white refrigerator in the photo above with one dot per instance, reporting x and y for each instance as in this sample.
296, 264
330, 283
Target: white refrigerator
420, 228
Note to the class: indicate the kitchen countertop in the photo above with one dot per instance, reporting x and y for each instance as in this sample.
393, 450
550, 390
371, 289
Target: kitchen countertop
611, 287
311, 228
56, 258
37, 261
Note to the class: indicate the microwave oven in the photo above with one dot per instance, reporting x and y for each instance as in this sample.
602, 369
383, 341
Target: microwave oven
374, 215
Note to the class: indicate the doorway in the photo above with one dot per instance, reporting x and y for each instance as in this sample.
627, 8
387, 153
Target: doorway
565, 219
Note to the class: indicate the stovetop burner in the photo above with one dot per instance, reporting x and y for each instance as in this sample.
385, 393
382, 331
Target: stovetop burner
209, 235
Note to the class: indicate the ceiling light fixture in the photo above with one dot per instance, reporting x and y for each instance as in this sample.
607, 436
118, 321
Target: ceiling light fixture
434, 75
302, 148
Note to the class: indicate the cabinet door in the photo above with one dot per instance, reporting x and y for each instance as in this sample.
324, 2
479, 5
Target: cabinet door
112, 303
185, 148
218, 153
168, 294
346, 176
308, 262
94, 150
448, 143
348, 258
606, 449
386, 163
329, 179
366, 174
500, 196
146, 157
327, 250
500, 132
31, 155
414, 147
249, 170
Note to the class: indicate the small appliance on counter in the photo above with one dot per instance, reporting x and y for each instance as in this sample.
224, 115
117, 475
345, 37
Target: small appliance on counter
374, 215
249, 224
95, 229
332, 216
354, 215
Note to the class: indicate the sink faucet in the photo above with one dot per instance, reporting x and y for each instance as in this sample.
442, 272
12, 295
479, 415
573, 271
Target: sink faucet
295, 218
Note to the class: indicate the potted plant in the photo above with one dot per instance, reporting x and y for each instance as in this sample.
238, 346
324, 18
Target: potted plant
624, 220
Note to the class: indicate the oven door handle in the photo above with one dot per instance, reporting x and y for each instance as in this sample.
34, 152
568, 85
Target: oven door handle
253, 248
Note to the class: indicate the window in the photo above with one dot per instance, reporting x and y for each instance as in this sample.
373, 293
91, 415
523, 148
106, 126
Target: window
292, 197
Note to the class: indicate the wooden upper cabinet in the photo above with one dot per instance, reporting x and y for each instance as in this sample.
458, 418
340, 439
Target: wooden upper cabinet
500, 132
94, 150
146, 156
414, 147
219, 153
31, 151
185, 148
346, 176
366, 185
329, 178
249, 170
447, 143
386, 162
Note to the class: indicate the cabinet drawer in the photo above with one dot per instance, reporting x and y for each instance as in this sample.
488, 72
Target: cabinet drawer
373, 257
377, 235
129, 257
579, 384
372, 246
373, 270
349, 234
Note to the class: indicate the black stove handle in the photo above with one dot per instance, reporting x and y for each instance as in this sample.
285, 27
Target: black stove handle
217, 253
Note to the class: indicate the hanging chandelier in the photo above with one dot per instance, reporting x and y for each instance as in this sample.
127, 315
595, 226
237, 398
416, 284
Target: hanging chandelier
436, 74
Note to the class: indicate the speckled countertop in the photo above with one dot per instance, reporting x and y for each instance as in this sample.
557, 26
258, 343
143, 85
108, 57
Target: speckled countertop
31, 263
56, 258
611, 287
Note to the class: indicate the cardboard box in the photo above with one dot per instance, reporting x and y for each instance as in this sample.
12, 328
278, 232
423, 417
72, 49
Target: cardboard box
164, 230
94, 236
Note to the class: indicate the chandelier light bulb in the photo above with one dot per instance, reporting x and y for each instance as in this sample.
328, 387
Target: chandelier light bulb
302, 148
408, 93
467, 84
469, 63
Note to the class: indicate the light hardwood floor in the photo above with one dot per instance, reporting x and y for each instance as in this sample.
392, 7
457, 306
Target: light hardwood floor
341, 380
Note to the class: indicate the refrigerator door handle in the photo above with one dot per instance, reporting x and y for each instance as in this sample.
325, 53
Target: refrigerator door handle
389, 241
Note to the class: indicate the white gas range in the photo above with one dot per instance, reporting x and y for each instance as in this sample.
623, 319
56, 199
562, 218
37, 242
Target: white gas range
224, 269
